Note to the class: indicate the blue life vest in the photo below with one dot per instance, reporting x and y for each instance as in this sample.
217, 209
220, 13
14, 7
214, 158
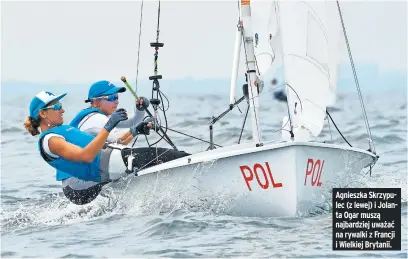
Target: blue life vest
66, 168
78, 118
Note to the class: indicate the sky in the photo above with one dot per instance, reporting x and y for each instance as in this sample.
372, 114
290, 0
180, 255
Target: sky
80, 42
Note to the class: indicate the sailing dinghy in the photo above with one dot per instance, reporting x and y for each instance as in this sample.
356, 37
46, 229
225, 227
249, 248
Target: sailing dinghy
262, 178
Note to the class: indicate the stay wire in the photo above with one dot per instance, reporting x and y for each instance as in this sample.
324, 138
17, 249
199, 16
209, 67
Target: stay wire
192, 136
338, 129
138, 48
355, 75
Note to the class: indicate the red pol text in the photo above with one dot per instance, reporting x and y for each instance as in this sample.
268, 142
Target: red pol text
314, 170
263, 176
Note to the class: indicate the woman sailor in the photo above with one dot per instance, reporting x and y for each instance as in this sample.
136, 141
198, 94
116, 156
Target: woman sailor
104, 99
81, 161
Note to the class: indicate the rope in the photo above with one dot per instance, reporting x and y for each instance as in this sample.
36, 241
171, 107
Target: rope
138, 52
273, 88
338, 129
190, 136
328, 122
138, 48
355, 76
167, 128
243, 124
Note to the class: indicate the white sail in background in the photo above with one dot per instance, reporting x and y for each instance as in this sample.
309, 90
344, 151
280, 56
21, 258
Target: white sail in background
309, 36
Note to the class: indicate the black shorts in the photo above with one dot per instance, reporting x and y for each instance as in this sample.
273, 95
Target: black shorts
81, 197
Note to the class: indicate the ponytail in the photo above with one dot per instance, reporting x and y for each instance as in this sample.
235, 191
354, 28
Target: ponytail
32, 125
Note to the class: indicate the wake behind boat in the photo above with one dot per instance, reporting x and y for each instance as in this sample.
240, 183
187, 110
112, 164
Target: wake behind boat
261, 178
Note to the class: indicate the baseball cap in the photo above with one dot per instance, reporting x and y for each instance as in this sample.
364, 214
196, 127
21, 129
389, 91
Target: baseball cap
41, 100
103, 88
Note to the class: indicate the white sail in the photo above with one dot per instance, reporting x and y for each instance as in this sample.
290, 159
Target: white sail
264, 29
309, 50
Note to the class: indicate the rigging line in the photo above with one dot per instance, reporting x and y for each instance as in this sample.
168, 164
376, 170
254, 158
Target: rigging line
273, 88
161, 137
355, 77
138, 48
190, 136
134, 142
167, 128
282, 128
300, 101
243, 124
328, 122
338, 129
276, 87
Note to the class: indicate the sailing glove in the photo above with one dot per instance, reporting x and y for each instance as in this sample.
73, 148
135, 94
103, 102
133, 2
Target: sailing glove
116, 117
141, 128
144, 105
155, 124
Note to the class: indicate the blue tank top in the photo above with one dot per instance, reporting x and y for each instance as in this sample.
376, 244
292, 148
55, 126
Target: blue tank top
78, 118
66, 168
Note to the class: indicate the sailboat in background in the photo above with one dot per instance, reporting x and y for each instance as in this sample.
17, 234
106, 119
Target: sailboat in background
261, 178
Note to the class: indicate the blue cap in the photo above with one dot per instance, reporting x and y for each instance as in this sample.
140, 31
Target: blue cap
103, 88
41, 100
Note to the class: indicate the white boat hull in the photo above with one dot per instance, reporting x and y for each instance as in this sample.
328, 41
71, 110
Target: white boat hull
281, 179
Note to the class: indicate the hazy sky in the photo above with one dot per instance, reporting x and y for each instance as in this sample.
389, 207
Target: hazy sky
87, 41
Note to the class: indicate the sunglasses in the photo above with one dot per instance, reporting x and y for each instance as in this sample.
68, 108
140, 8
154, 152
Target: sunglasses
55, 107
110, 98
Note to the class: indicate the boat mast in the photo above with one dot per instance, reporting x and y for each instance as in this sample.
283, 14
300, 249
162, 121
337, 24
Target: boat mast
251, 69
235, 63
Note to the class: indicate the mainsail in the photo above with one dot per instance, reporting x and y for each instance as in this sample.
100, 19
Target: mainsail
310, 34
264, 30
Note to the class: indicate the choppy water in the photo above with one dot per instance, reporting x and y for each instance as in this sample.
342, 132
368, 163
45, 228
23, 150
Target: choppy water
37, 221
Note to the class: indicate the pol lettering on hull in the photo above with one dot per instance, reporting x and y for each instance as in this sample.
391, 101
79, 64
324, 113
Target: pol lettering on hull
263, 175
314, 169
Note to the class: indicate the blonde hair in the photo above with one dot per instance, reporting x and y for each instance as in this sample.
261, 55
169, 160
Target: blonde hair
32, 125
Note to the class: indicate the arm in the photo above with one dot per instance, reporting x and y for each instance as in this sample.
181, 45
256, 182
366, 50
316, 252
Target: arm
127, 137
96, 123
72, 152
139, 113
136, 118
